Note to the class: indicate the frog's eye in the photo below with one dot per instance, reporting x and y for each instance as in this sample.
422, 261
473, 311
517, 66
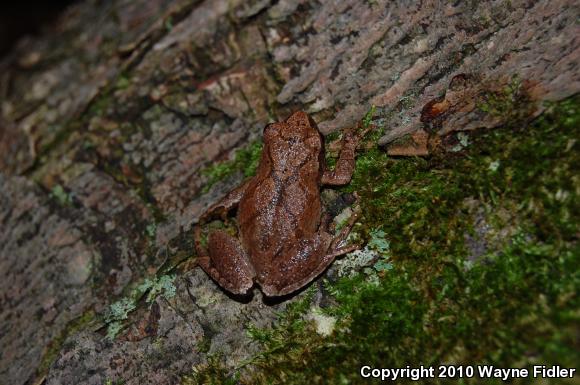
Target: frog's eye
314, 142
271, 129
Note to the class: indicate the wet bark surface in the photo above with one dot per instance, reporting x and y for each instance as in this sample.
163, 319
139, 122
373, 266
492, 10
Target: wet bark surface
107, 121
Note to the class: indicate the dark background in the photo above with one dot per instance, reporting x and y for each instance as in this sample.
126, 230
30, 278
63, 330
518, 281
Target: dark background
20, 18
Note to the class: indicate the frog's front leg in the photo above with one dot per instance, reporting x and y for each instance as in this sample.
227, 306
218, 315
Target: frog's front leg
344, 169
227, 203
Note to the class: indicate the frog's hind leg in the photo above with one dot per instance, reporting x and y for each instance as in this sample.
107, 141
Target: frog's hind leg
306, 263
225, 261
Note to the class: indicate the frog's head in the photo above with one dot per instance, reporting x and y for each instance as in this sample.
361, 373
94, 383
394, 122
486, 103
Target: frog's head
298, 127
289, 144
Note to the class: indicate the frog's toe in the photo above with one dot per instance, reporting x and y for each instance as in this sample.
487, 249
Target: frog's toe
239, 286
270, 290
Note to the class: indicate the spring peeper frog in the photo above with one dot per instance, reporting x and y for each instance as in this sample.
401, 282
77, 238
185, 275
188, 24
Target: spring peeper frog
284, 241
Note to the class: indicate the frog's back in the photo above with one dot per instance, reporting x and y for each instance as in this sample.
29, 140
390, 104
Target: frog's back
281, 205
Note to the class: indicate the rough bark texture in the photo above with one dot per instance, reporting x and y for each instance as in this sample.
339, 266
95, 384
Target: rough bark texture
107, 121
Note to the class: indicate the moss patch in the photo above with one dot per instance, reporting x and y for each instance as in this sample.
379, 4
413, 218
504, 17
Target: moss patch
54, 347
245, 160
513, 306
212, 373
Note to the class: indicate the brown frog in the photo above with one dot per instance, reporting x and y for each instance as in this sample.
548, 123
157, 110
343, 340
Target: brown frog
284, 241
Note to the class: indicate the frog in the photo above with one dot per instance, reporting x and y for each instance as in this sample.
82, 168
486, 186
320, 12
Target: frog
285, 239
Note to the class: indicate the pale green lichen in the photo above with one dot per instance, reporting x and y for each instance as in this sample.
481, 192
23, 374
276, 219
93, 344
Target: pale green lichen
151, 230
375, 254
61, 195
463, 139
119, 311
157, 286
494, 165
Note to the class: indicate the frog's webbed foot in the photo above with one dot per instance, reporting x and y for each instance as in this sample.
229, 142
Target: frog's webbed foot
226, 262
344, 168
336, 247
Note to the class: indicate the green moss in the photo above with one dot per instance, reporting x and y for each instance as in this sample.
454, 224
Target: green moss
123, 82
53, 349
100, 104
245, 160
514, 306
511, 103
212, 373
368, 118
169, 24
290, 324
108, 381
